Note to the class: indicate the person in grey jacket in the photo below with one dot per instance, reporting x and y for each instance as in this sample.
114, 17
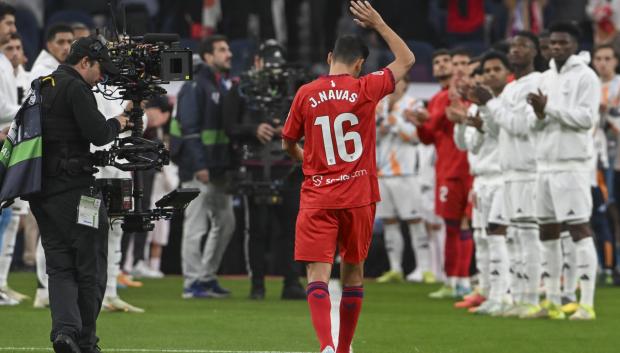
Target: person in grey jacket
200, 147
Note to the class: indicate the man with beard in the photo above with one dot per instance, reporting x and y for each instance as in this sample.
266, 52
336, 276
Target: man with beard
564, 113
201, 149
452, 169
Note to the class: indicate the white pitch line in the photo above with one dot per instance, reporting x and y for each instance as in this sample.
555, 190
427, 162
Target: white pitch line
140, 350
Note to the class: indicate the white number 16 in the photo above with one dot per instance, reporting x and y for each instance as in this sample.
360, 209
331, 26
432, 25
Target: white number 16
341, 138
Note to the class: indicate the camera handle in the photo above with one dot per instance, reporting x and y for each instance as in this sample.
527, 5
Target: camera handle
135, 116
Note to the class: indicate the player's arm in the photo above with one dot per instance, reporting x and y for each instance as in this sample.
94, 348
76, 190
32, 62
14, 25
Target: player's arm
293, 149
368, 17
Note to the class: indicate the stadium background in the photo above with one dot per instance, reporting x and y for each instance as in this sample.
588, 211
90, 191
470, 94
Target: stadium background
402, 319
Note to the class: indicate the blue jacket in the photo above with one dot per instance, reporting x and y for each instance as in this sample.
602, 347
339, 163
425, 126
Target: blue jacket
198, 140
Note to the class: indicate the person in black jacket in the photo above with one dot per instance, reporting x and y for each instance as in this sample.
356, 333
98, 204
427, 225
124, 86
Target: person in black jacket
255, 130
72, 221
200, 147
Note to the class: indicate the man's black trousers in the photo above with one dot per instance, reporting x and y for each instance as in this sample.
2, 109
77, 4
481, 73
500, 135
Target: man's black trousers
264, 220
76, 259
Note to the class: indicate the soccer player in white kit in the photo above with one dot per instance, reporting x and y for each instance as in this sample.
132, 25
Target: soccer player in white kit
564, 113
399, 189
517, 151
480, 138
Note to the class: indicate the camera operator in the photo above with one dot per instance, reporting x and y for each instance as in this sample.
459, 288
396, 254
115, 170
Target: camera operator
68, 210
251, 128
200, 148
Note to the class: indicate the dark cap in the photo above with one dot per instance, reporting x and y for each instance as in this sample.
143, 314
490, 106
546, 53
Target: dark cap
95, 49
272, 52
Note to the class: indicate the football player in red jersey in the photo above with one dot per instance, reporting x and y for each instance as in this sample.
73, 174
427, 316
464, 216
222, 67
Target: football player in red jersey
336, 116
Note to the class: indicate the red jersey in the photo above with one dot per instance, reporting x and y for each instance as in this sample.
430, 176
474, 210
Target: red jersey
439, 131
336, 115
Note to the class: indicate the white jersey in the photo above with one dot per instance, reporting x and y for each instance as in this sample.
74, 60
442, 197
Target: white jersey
8, 92
565, 134
483, 154
516, 140
44, 65
396, 150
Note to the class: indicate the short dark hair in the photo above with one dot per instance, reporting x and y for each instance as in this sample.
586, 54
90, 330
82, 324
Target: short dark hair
349, 48
492, 55
10, 37
606, 46
206, 46
6, 9
566, 27
460, 51
56, 28
440, 52
531, 36
79, 26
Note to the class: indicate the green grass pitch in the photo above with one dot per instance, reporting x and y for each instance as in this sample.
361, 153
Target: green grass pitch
396, 318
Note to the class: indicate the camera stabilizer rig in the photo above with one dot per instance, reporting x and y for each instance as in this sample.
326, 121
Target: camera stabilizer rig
144, 63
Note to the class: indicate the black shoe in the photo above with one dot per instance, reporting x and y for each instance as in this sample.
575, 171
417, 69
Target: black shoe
293, 292
96, 349
257, 293
65, 344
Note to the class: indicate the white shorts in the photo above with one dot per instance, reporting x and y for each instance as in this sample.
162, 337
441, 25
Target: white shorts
563, 196
489, 203
159, 234
427, 208
400, 198
520, 199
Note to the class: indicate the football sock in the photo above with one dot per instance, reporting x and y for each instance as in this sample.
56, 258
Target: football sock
482, 261
466, 250
394, 245
7, 248
350, 308
421, 246
569, 266
552, 268
513, 244
498, 267
452, 249
114, 262
532, 259
586, 269
41, 267
437, 248
320, 307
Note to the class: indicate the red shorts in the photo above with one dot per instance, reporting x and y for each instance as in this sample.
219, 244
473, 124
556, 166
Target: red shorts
451, 198
320, 230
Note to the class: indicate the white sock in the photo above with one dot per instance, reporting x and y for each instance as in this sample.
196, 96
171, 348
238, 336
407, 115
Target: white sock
532, 259
8, 246
114, 260
515, 256
552, 268
498, 267
421, 246
437, 244
394, 245
569, 266
155, 263
482, 261
464, 283
41, 267
587, 263
452, 281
